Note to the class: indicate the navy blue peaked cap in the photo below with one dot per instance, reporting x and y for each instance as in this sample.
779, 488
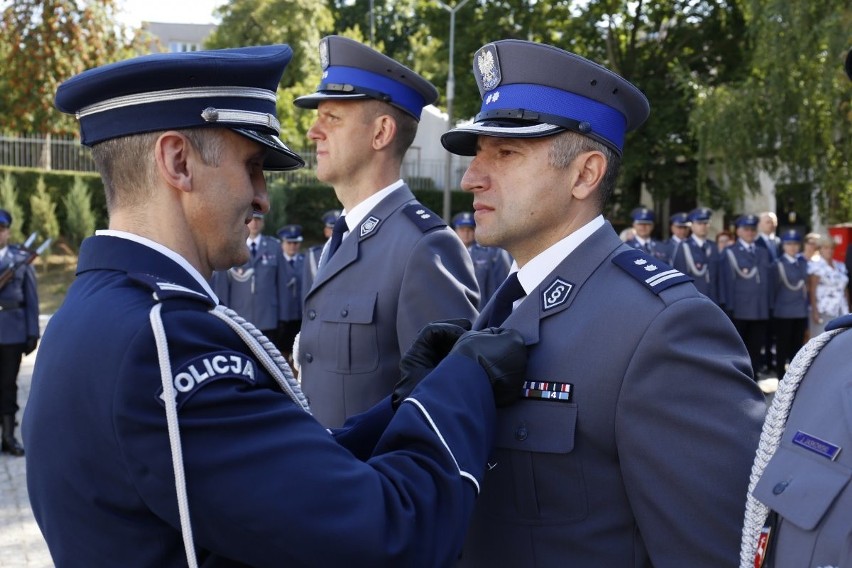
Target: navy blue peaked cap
5, 218
464, 219
329, 218
746, 220
352, 70
530, 90
700, 214
231, 88
290, 233
791, 236
642, 215
679, 219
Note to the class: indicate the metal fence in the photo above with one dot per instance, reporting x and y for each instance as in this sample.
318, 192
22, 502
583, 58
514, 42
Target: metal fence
66, 153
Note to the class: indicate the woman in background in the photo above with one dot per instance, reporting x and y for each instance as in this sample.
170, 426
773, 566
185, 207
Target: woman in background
827, 287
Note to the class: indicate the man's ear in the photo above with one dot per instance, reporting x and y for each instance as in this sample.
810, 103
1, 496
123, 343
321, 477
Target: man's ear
591, 167
384, 131
172, 153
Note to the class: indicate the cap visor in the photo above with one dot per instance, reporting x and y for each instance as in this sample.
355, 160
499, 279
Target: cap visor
462, 140
312, 101
281, 158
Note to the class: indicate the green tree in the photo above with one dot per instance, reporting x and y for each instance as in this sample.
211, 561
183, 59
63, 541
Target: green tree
80, 219
9, 202
791, 114
43, 218
299, 23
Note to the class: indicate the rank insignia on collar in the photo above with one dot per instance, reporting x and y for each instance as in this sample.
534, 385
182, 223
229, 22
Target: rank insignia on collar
556, 294
488, 66
368, 226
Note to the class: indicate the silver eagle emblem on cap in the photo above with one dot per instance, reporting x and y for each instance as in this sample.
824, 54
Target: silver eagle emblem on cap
323, 53
489, 67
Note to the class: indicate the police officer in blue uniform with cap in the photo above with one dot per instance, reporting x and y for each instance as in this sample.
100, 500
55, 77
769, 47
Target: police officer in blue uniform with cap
799, 508
679, 226
290, 279
639, 419
314, 254
744, 287
254, 289
163, 429
394, 265
643, 225
490, 264
789, 299
697, 256
19, 331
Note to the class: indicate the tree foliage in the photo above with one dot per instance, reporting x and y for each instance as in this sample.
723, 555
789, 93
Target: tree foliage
791, 114
9, 202
43, 209
45, 42
79, 216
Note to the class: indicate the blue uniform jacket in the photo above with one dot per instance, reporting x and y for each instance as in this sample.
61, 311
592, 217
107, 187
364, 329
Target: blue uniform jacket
700, 262
653, 247
491, 266
267, 484
745, 282
254, 290
291, 295
647, 461
18, 301
790, 288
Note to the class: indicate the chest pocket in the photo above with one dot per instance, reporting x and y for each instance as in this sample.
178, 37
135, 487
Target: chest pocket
348, 334
535, 466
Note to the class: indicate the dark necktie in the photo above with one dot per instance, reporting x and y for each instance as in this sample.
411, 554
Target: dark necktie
337, 235
253, 249
505, 296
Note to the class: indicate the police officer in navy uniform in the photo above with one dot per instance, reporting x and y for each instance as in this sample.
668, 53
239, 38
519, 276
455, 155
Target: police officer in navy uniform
640, 418
799, 508
313, 254
745, 284
490, 264
643, 226
19, 331
397, 266
789, 299
290, 280
697, 256
163, 429
679, 226
254, 289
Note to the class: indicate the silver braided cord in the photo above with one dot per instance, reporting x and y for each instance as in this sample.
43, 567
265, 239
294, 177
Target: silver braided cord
756, 512
266, 352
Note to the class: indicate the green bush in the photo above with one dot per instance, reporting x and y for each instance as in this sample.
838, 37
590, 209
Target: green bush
79, 217
9, 202
43, 218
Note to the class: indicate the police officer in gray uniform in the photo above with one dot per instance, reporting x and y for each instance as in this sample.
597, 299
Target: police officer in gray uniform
640, 418
398, 265
314, 254
254, 289
744, 287
490, 264
19, 330
799, 507
697, 256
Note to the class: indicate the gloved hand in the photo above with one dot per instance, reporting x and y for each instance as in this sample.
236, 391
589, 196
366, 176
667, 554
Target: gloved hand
503, 355
431, 346
30, 344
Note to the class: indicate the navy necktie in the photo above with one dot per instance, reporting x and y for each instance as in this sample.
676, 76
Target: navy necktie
337, 235
505, 296
253, 249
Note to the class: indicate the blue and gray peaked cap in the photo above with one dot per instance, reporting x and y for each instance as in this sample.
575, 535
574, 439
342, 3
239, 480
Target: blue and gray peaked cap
531, 90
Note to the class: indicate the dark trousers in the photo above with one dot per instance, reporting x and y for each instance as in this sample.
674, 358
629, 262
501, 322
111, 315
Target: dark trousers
10, 364
287, 331
789, 338
753, 334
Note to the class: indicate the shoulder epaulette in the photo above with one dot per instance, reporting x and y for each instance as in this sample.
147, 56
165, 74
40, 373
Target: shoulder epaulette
425, 219
841, 322
655, 274
165, 290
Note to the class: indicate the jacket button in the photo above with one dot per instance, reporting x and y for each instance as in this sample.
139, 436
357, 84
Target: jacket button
312, 314
309, 358
344, 312
521, 433
780, 487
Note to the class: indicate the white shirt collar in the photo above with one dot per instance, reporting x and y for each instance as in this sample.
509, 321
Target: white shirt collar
3, 251
354, 217
164, 251
700, 242
255, 240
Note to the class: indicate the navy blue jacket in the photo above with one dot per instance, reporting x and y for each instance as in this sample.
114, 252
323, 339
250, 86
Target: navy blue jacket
267, 484
18, 301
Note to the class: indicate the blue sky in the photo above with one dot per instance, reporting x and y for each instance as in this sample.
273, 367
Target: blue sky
192, 12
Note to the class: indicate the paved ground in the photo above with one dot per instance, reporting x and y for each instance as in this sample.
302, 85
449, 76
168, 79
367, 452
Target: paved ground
21, 543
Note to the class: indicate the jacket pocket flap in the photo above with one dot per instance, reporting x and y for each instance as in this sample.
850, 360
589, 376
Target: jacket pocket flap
537, 426
352, 308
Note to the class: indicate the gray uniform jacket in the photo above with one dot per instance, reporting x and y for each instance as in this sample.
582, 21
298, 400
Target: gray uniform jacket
745, 282
253, 290
491, 266
809, 490
790, 288
401, 269
646, 462
312, 259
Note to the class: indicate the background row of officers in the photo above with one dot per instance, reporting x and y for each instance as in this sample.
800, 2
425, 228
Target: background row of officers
776, 293
269, 289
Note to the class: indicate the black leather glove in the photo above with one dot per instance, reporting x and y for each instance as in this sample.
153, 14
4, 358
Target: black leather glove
503, 355
30, 344
431, 346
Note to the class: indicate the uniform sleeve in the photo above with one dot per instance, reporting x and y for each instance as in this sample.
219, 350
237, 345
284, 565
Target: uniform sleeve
269, 486
31, 302
687, 426
438, 283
